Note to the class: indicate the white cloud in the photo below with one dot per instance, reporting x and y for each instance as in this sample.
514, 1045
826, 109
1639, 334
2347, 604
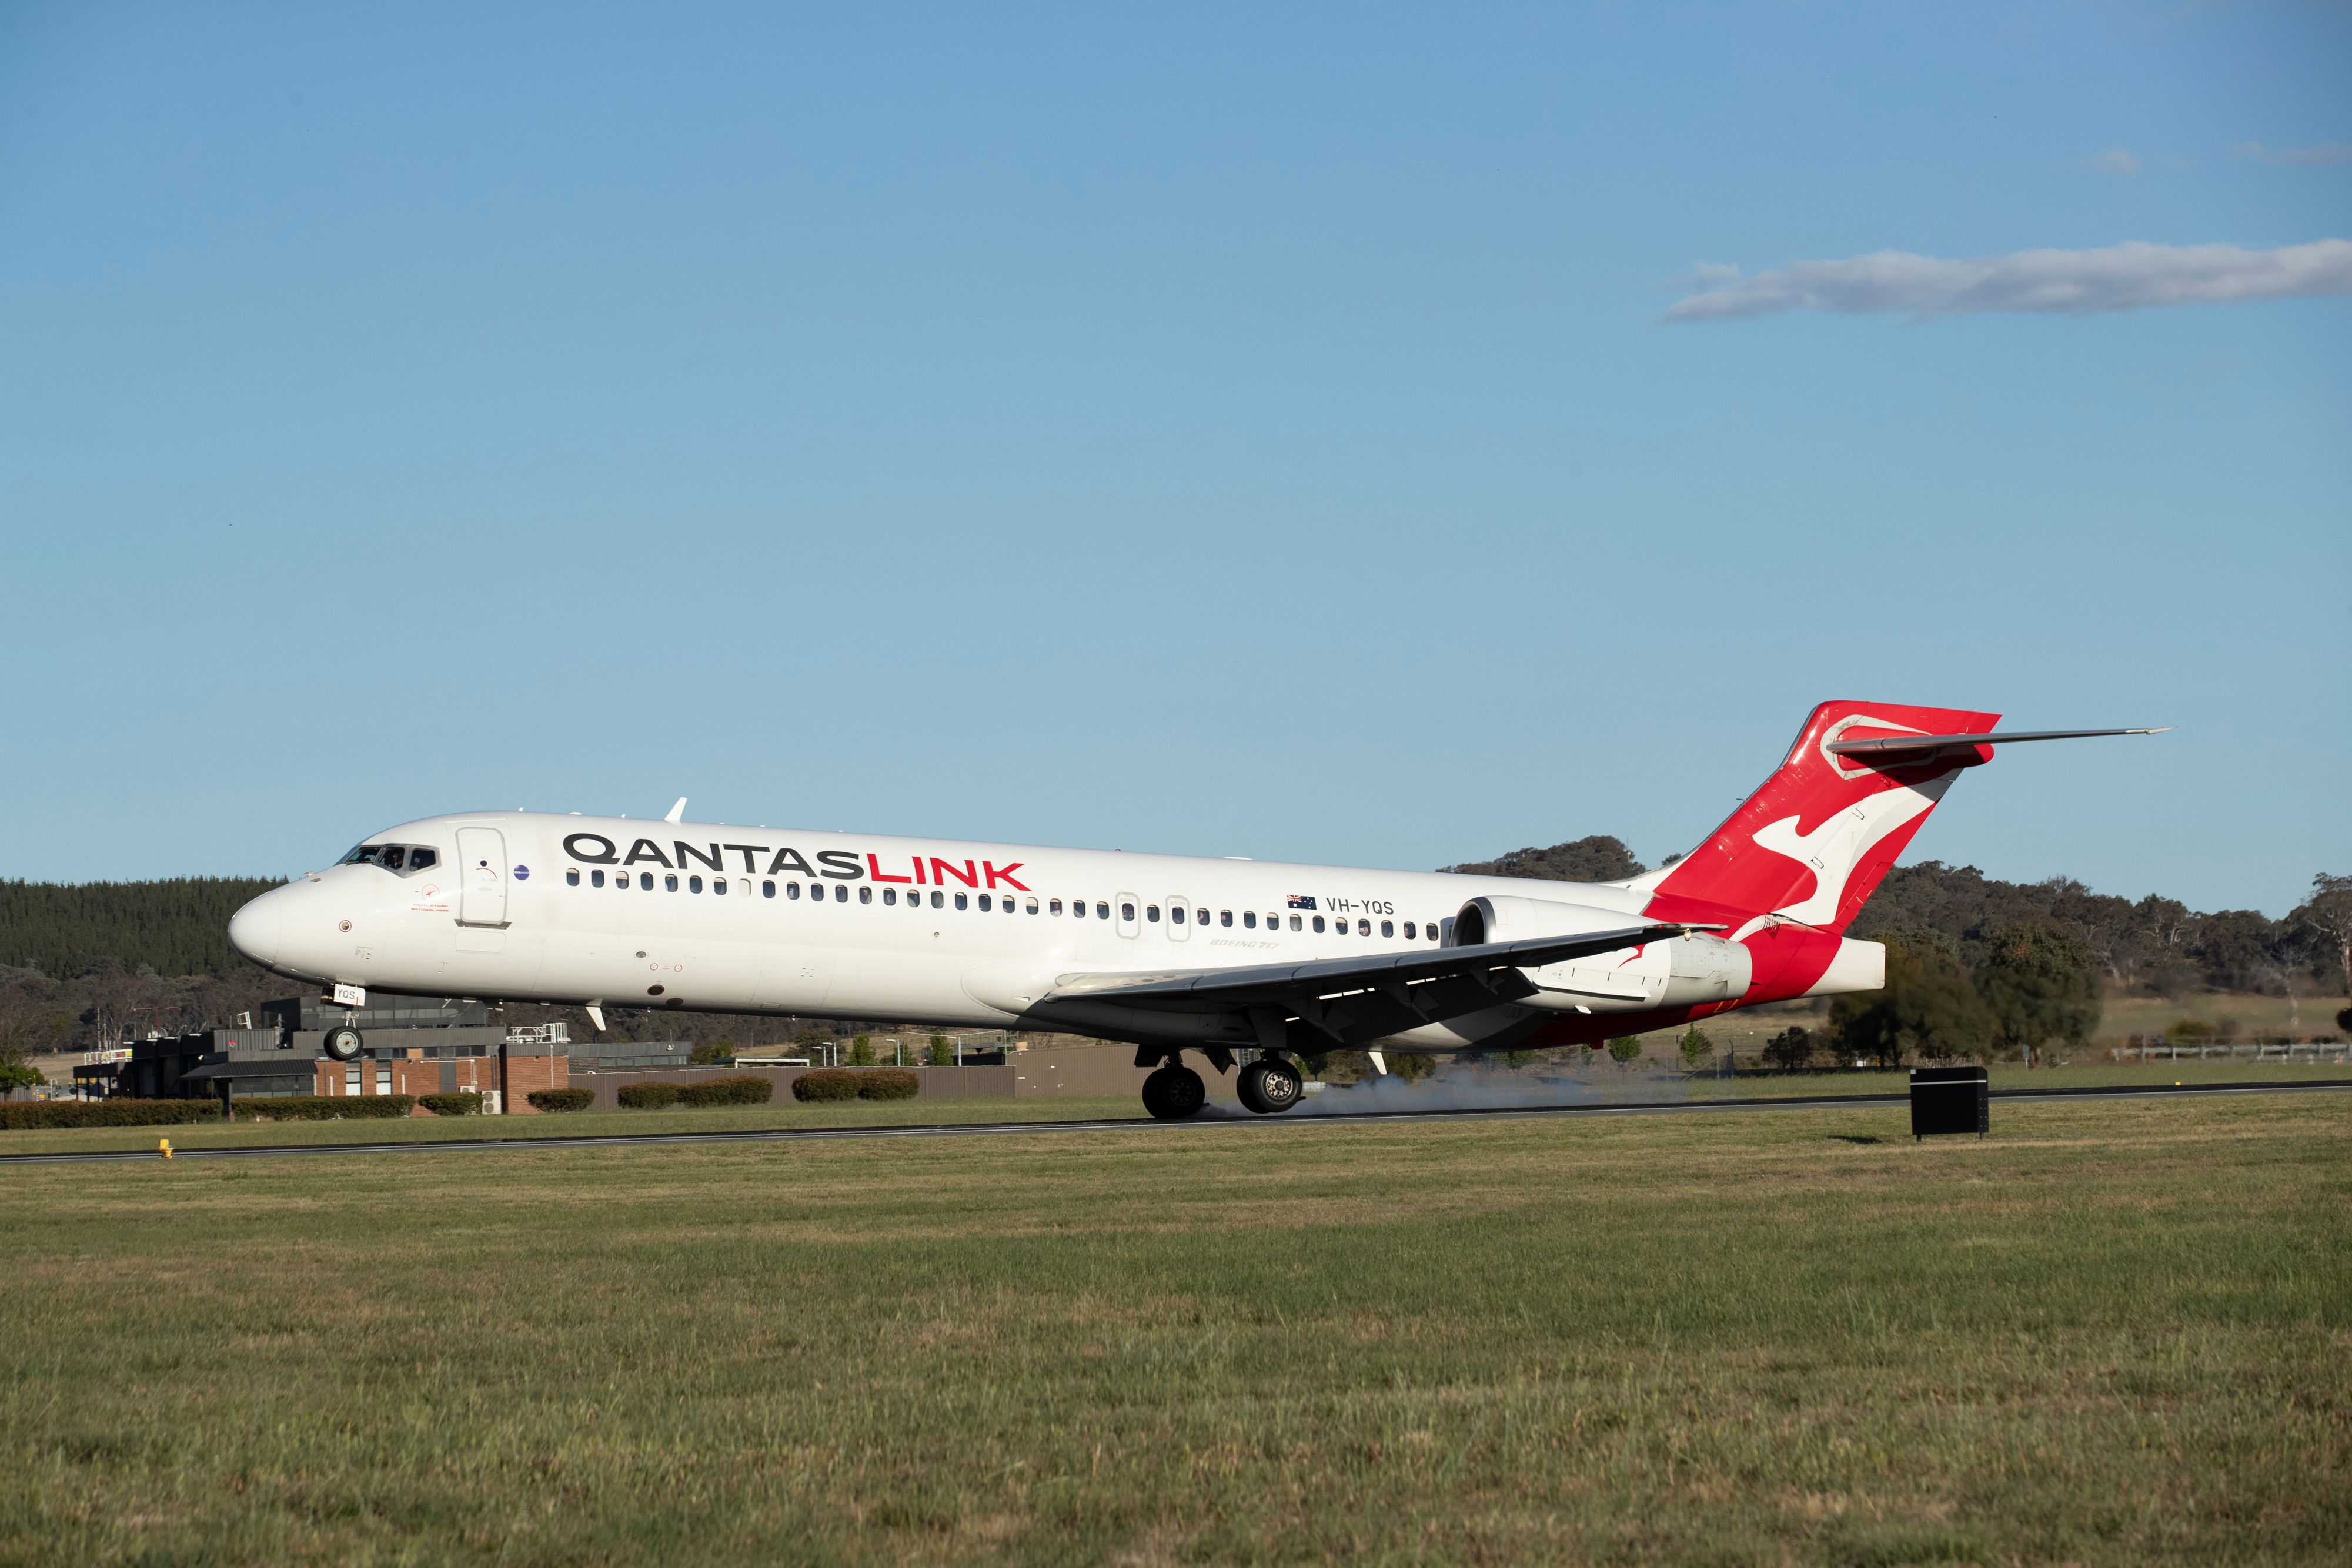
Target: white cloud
2113, 160
1708, 275
2317, 157
2135, 275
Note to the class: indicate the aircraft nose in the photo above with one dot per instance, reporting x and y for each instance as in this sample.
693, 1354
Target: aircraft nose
255, 929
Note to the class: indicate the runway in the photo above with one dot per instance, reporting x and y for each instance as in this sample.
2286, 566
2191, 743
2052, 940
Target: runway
1000, 1129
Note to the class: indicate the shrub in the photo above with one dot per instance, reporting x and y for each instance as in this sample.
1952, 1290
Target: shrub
861, 1051
24, 1115
1791, 1049
646, 1096
713, 1054
1697, 1047
559, 1100
943, 1051
1927, 1006
826, 1084
326, 1108
463, 1103
1625, 1048
888, 1083
748, 1090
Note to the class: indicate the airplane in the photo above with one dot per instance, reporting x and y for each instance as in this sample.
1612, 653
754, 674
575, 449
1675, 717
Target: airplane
1170, 953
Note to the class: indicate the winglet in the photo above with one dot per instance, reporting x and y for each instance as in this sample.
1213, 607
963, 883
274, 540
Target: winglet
677, 812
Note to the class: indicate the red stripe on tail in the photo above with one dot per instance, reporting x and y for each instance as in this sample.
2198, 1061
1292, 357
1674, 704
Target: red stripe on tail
1814, 841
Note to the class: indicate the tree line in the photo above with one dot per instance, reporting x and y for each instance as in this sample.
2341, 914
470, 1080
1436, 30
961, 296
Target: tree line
1975, 964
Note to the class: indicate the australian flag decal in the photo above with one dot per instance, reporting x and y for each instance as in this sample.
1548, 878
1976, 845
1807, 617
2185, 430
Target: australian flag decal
1302, 901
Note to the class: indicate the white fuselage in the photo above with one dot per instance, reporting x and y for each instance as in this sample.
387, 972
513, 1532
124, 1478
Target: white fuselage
628, 913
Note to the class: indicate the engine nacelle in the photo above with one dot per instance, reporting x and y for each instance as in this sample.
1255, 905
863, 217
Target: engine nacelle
1680, 973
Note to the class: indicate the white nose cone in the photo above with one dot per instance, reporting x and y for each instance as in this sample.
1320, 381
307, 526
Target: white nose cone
255, 929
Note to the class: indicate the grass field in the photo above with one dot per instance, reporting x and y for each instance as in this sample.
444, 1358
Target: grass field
2112, 1334
1600, 1080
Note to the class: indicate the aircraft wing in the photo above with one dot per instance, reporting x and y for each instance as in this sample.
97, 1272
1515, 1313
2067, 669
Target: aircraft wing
1355, 1000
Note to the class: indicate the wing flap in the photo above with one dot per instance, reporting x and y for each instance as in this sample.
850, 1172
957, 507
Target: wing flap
1292, 985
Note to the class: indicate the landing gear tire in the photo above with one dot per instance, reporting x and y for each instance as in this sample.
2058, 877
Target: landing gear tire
344, 1044
1173, 1094
1270, 1086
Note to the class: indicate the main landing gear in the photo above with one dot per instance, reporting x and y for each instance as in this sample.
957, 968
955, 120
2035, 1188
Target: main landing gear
1268, 1086
1174, 1093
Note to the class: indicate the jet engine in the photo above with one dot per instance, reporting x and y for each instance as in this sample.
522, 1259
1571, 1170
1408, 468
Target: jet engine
1682, 972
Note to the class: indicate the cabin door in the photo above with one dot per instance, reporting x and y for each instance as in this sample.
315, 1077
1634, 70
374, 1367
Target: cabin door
482, 877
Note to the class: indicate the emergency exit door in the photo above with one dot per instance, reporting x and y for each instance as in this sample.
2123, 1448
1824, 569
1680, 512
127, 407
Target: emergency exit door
482, 876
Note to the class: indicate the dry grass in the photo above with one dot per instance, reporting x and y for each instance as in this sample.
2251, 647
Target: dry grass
2113, 1333
1597, 1080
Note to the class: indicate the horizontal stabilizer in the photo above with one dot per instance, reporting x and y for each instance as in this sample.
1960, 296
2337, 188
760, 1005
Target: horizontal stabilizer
1903, 745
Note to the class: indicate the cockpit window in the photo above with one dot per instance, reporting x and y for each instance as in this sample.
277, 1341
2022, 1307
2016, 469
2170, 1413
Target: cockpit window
404, 860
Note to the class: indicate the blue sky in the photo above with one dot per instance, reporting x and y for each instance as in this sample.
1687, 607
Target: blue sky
1221, 433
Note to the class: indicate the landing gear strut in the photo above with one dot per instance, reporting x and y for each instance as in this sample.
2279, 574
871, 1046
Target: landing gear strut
1174, 1093
1269, 1085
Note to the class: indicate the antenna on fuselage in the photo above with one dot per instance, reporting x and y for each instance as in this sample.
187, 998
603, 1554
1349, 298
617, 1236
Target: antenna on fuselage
677, 812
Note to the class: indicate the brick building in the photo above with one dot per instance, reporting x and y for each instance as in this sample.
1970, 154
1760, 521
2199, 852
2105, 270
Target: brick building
306, 1046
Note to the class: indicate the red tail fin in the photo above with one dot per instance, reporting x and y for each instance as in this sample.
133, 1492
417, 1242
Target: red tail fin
1815, 840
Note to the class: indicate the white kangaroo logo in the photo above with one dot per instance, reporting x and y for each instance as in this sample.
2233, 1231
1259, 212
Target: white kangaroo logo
1832, 850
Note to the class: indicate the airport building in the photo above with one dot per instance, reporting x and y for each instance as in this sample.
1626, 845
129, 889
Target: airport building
306, 1045
418, 1045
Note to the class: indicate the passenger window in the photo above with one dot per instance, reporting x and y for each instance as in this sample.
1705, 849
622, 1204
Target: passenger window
571, 879
1176, 914
1430, 931
645, 881
1008, 906
768, 889
840, 892
1033, 906
670, 883
1151, 913
1409, 932
1294, 923
792, 890
866, 894
694, 884
935, 898
963, 900
1364, 928
1224, 917
718, 884
1249, 919
420, 858
889, 896
984, 903
1126, 912
1318, 923
1054, 906
595, 879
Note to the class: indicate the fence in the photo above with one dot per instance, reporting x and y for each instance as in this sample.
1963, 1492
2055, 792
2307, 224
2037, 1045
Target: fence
2256, 1050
